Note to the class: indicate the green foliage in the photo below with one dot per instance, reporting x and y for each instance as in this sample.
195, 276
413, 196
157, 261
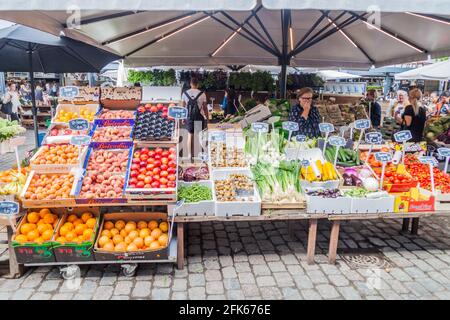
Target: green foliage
258, 81
9, 129
298, 81
153, 78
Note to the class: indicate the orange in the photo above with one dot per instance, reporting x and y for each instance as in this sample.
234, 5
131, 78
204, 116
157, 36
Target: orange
86, 216
41, 222
123, 233
108, 225
139, 242
127, 240
69, 225
33, 235
21, 238
144, 233
70, 236
77, 222
103, 240
117, 239
120, 224
109, 246
33, 217
87, 234
133, 235
47, 235
43, 212
26, 227
153, 225
130, 227
64, 230
107, 233
39, 240
72, 218
163, 240
148, 240
114, 232
42, 227
156, 233
79, 229
90, 223
61, 240
142, 225
164, 226
154, 245
132, 247
121, 247
49, 218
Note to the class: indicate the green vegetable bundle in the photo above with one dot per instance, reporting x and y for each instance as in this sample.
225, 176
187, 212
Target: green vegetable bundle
9, 129
194, 193
346, 157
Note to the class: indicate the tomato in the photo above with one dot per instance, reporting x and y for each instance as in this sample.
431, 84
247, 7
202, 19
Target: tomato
155, 184
133, 181
163, 181
172, 170
140, 185
151, 160
136, 154
142, 164
165, 114
151, 153
136, 160
157, 157
148, 106
172, 177
132, 186
165, 154
163, 186
164, 174
134, 174
165, 109
158, 163
143, 157
149, 174
171, 184
154, 109
164, 167
172, 157
173, 150
141, 177
164, 160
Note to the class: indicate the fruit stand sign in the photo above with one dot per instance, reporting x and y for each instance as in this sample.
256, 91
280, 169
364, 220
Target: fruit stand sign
300, 138
305, 163
326, 127
203, 156
445, 153
218, 137
80, 140
337, 142
432, 162
374, 138
402, 136
291, 127
384, 158
260, 127
78, 124
178, 113
9, 208
362, 124
69, 92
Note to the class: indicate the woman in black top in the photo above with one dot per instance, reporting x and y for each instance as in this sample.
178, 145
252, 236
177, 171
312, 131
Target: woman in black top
415, 116
306, 115
232, 102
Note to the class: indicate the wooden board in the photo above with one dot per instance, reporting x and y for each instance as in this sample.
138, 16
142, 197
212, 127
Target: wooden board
276, 206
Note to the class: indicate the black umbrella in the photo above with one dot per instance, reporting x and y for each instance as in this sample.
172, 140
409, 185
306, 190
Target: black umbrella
24, 49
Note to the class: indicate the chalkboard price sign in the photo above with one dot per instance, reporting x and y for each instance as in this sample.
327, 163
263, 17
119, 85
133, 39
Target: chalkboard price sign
402, 136
374, 138
337, 141
290, 126
9, 207
362, 124
69, 92
300, 138
80, 140
326, 127
383, 157
78, 124
179, 113
260, 127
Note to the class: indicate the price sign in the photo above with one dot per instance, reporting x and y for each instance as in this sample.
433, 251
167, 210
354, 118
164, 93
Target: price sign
218, 136
383, 157
337, 141
178, 113
402, 136
78, 124
326, 127
203, 156
290, 126
260, 127
80, 140
69, 92
445, 153
428, 160
9, 208
362, 124
374, 138
305, 163
300, 138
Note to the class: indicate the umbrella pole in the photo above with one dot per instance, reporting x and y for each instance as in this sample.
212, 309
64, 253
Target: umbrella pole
33, 98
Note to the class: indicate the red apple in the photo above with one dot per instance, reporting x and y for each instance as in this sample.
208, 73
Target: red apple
140, 185
164, 174
150, 167
134, 174
155, 184
141, 177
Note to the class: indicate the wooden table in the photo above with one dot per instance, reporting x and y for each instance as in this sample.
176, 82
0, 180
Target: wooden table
336, 222
267, 214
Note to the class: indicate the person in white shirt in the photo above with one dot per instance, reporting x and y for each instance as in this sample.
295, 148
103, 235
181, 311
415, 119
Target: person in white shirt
399, 106
12, 95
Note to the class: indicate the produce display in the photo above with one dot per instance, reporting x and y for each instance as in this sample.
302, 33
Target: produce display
237, 187
438, 128
101, 184
57, 154
223, 156
346, 157
63, 130
194, 173
50, 186
110, 134
153, 169
108, 161
421, 172
83, 113
77, 229
117, 93
10, 129
37, 227
152, 123
194, 193
355, 176
326, 193
325, 171
121, 236
12, 181
115, 114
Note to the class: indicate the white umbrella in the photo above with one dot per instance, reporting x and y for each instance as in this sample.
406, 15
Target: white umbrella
335, 75
437, 71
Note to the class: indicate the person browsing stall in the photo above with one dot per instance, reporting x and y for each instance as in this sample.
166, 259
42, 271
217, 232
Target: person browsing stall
415, 116
306, 114
374, 109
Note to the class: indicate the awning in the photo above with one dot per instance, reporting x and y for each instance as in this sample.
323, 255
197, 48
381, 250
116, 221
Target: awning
335, 75
436, 71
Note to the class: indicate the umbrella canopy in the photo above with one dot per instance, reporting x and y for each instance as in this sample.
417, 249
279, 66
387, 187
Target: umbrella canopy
335, 75
436, 71
49, 52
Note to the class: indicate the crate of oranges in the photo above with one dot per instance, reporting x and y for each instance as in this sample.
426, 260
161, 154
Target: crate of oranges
58, 158
75, 236
65, 113
44, 189
33, 241
133, 236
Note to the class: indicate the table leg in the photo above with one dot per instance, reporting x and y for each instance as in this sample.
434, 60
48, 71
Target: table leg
312, 235
415, 226
180, 251
405, 225
15, 270
291, 228
334, 238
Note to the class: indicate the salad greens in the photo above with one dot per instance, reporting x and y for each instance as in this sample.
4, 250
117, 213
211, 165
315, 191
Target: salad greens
194, 193
10, 129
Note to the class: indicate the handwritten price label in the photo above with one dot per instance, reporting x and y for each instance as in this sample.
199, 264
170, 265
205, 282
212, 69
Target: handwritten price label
69, 92
362, 124
80, 140
383, 157
9, 207
218, 137
78, 124
444, 152
260, 127
179, 113
402, 136
337, 141
374, 138
300, 138
428, 160
290, 126
326, 127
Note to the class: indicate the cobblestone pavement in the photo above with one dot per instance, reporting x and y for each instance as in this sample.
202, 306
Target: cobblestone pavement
260, 261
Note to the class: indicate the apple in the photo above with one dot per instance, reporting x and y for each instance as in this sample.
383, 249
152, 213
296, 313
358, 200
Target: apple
148, 107
133, 181
135, 166
141, 177
134, 174
150, 167
164, 167
155, 184
164, 174
140, 185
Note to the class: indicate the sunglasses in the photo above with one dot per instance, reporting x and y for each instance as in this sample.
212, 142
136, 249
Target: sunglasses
310, 98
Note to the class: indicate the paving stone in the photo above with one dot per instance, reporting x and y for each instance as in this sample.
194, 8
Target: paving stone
256, 259
265, 281
271, 293
246, 278
49, 285
330, 269
5, 295
415, 272
226, 261
235, 295
399, 274
197, 293
88, 286
283, 279
445, 295
374, 298
327, 291
430, 285
349, 293
390, 294
163, 281
311, 294
22, 294
261, 270
141, 289
317, 276
120, 298
214, 287
63, 296
291, 293
338, 280
11, 285
295, 270
103, 293
160, 294
416, 288
33, 280
276, 266
250, 290
242, 266
123, 288
197, 280
213, 275
39, 296
439, 277
179, 285
108, 279
271, 257
195, 268
229, 272
212, 265
179, 295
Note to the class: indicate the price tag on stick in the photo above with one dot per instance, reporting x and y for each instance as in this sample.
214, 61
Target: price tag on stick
326, 128
259, 128
337, 142
82, 140
177, 113
363, 125
78, 124
384, 158
432, 162
445, 153
403, 137
15, 143
272, 121
291, 127
373, 138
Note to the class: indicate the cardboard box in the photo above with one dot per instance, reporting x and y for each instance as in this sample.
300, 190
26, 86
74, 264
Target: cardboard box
86, 95
258, 113
145, 255
414, 202
71, 251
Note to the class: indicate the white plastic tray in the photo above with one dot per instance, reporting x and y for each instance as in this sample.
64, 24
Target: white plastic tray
381, 205
341, 205
202, 208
